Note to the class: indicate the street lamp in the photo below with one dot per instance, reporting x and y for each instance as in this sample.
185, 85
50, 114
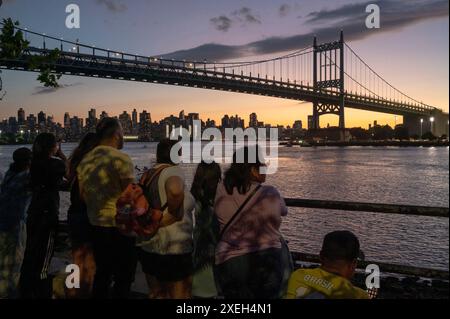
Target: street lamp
421, 128
432, 124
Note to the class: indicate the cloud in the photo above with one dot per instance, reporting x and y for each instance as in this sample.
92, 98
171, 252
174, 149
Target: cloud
350, 18
113, 5
284, 10
222, 23
39, 90
244, 16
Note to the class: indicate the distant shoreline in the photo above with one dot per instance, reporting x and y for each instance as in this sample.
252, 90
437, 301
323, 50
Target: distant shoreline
381, 144
321, 144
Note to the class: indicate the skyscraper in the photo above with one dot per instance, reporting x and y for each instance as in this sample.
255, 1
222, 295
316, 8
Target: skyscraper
21, 116
134, 118
298, 125
91, 121
145, 126
42, 118
225, 121
67, 120
103, 115
125, 121
310, 122
31, 122
253, 120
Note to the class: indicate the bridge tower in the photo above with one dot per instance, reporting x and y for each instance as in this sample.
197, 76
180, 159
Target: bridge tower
328, 72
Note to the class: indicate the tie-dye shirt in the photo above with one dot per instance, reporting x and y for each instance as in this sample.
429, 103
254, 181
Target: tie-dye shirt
257, 226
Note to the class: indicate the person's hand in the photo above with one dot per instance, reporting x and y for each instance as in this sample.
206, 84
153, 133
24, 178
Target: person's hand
60, 154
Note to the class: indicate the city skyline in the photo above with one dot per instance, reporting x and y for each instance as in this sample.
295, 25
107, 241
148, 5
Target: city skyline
136, 117
121, 30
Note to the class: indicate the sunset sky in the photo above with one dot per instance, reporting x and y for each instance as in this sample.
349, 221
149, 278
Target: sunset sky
411, 51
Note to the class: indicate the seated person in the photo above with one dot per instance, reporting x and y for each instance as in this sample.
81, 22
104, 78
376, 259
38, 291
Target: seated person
339, 257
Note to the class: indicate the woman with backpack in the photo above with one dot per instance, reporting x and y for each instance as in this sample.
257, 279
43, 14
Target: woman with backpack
206, 229
166, 258
249, 254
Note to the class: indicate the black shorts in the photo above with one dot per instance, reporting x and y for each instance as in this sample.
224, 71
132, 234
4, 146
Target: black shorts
80, 230
166, 268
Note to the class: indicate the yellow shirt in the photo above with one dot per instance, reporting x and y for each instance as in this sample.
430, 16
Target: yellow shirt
319, 284
101, 175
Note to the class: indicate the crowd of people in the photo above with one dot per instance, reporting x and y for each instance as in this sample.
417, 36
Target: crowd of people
220, 239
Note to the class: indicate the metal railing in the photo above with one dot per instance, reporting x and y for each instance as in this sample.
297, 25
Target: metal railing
407, 210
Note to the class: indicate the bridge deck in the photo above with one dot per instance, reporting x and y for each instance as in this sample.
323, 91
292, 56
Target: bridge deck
135, 68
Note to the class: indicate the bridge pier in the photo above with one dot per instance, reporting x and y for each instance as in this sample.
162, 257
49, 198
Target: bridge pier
437, 123
325, 108
328, 73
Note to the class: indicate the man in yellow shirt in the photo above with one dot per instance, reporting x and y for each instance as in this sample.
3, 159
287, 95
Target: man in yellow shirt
339, 256
103, 175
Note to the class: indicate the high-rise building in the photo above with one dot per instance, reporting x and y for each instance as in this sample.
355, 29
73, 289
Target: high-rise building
91, 121
225, 121
31, 122
182, 116
253, 120
134, 119
92, 114
193, 117
12, 124
210, 123
67, 120
76, 126
145, 126
21, 116
298, 125
42, 118
125, 121
236, 122
103, 115
310, 122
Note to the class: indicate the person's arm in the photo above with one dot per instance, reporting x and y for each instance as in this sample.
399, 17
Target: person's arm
175, 199
65, 185
125, 169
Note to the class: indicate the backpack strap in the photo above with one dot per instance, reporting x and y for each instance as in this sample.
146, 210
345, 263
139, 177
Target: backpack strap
148, 178
232, 219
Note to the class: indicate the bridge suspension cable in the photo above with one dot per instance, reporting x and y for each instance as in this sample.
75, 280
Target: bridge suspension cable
365, 81
294, 68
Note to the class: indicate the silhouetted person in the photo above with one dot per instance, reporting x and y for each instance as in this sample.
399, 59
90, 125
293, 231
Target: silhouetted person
15, 198
339, 256
79, 226
249, 253
206, 229
48, 169
166, 258
103, 174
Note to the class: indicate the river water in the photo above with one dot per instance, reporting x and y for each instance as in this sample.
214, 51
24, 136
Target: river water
413, 176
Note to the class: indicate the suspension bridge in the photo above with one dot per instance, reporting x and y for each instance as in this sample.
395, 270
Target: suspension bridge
332, 76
